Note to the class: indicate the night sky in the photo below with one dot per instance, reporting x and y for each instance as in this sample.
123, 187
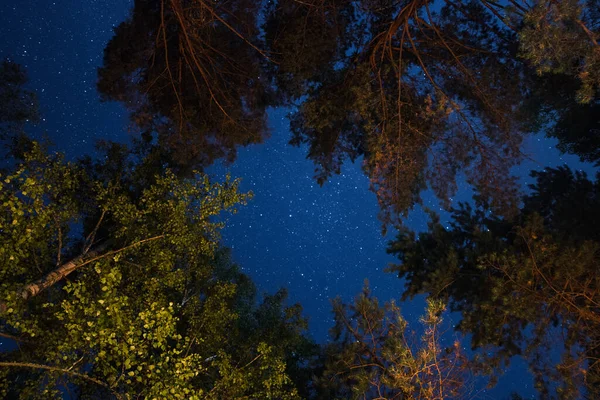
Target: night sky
318, 242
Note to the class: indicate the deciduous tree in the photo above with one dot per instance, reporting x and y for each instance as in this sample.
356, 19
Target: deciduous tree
141, 302
190, 73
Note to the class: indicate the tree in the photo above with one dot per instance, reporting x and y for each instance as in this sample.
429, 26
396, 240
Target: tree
190, 73
560, 39
555, 110
422, 91
373, 355
419, 91
141, 302
18, 106
527, 286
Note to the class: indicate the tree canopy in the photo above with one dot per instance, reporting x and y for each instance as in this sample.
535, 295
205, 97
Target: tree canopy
374, 355
108, 293
190, 73
424, 90
420, 91
526, 286
18, 106
113, 279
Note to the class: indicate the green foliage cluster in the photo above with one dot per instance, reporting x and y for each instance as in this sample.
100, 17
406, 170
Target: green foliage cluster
559, 38
161, 313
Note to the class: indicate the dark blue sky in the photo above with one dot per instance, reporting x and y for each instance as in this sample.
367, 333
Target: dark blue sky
318, 242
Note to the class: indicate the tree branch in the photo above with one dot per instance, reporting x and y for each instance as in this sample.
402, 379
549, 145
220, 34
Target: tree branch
33, 289
59, 273
12, 337
62, 370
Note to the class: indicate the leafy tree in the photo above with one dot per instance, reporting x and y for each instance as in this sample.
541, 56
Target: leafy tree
420, 91
140, 303
18, 106
423, 91
406, 83
560, 39
374, 356
555, 110
527, 286
190, 73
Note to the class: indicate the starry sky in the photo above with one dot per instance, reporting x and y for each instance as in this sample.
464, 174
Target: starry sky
319, 242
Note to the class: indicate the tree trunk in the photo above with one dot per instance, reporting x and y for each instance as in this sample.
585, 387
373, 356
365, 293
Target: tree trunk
59, 273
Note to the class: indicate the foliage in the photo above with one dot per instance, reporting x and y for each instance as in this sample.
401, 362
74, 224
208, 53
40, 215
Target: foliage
423, 91
420, 91
553, 108
18, 105
527, 286
560, 40
562, 37
162, 312
190, 73
372, 355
